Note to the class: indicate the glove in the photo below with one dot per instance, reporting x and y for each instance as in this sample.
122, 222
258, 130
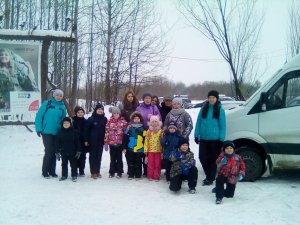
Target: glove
77, 156
38, 134
57, 155
177, 154
240, 177
197, 140
223, 161
185, 170
106, 147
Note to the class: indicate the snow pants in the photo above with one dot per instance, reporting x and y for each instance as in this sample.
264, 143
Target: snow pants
221, 192
176, 182
95, 158
154, 165
116, 161
134, 160
64, 166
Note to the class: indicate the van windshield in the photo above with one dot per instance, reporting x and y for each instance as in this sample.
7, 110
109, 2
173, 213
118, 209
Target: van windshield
261, 87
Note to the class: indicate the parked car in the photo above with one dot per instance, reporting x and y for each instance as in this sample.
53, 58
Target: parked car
226, 104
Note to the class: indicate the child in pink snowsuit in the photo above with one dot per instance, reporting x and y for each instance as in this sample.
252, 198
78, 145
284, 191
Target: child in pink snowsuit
153, 148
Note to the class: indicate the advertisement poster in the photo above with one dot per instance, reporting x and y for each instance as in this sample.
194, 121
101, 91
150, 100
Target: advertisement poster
20, 80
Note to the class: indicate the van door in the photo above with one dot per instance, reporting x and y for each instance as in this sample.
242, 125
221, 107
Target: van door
279, 125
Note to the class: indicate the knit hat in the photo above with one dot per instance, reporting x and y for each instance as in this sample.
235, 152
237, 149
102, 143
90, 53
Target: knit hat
172, 125
67, 119
152, 119
213, 93
58, 92
183, 141
77, 109
228, 143
147, 95
177, 100
114, 110
168, 98
99, 106
136, 114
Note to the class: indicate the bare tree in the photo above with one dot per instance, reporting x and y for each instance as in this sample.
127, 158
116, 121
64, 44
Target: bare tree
234, 26
293, 45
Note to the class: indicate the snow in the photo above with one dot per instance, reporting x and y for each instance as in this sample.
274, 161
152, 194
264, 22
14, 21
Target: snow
27, 198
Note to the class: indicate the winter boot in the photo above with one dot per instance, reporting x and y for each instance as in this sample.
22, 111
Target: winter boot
62, 178
74, 179
218, 201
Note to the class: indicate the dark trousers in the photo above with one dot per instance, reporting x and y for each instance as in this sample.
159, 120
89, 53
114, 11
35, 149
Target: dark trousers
116, 161
64, 166
134, 160
175, 184
208, 154
81, 162
167, 164
49, 160
95, 158
220, 191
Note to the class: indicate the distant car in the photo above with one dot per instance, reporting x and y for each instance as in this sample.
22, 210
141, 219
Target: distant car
226, 104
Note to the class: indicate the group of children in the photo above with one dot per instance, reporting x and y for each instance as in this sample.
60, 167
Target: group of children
161, 148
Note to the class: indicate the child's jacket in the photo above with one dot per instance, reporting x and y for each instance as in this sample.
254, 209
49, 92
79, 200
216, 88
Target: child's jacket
133, 139
234, 166
114, 130
170, 142
185, 159
67, 142
152, 141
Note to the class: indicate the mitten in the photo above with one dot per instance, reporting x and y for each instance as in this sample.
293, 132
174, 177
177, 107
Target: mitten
185, 170
77, 156
57, 155
38, 134
223, 161
106, 147
177, 154
240, 177
197, 140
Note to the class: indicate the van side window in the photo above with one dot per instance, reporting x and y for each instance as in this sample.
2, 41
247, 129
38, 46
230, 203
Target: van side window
285, 93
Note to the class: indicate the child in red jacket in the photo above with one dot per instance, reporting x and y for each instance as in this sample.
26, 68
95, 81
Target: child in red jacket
231, 169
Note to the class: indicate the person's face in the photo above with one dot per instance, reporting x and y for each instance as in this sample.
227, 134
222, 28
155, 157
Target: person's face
168, 102
212, 100
80, 114
130, 97
172, 130
66, 124
4, 57
229, 150
154, 123
147, 100
58, 97
184, 147
176, 105
154, 101
136, 119
116, 115
100, 111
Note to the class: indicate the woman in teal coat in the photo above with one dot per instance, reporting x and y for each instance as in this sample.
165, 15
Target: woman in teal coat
209, 134
47, 124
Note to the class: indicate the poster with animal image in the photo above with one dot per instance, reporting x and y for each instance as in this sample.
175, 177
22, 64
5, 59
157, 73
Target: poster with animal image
20, 80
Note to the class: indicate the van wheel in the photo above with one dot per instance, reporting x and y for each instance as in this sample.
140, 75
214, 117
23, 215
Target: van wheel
253, 162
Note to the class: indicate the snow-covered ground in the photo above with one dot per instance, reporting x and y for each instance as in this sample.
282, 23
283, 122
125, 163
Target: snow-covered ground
26, 198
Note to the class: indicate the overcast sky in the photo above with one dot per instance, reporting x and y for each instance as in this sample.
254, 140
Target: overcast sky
189, 43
